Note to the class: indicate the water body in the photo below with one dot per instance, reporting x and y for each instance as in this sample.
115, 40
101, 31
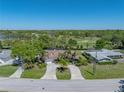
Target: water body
2, 37
5, 37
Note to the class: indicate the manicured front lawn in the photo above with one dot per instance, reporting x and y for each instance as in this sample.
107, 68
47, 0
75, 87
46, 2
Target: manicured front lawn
103, 71
6, 71
35, 73
66, 75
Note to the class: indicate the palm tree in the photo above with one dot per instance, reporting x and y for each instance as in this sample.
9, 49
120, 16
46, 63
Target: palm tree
67, 54
63, 64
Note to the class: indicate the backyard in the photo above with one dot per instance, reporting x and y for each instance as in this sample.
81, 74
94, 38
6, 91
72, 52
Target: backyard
103, 71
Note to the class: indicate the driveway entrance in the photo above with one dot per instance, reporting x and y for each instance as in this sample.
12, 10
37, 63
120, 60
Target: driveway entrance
75, 72
51, 71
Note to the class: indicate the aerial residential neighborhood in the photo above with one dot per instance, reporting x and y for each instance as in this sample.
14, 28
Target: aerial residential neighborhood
27, 58
61, 46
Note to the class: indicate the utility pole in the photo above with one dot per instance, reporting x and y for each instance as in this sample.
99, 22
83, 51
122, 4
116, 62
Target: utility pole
94, 64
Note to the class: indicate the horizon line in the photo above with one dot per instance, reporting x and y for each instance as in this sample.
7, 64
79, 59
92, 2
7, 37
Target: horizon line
61, 29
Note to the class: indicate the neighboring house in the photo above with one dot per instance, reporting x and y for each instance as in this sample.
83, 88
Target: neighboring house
104, 55
1, 61
5, 55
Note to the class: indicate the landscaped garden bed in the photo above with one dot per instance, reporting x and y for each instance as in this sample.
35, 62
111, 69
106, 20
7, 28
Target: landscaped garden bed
63, 75
35, 72
103, 71
6, 71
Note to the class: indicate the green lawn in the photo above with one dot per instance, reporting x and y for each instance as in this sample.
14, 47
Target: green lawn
87, 42
103, 71
66, 75
6, 71
35, 73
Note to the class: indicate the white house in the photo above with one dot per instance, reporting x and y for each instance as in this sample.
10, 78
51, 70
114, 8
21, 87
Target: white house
5, 55
104, 55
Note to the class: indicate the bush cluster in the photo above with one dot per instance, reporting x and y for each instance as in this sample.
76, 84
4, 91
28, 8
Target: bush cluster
108, 62
42, 65
88, 57
82, 61
28, 66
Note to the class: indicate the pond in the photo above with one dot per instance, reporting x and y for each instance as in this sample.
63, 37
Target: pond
5, 37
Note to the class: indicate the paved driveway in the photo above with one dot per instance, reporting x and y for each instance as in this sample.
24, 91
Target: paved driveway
75, 72
50, 72
18, 73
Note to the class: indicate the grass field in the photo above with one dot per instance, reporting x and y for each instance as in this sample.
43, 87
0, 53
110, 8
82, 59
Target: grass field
87, 42
6, 71
66, 75
3, 91
103, 71
35, 73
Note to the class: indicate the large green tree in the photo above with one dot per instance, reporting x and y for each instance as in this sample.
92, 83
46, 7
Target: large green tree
100, 44
27, 50
72, 43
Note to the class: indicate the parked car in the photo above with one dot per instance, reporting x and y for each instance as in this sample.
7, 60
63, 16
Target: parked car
121, 81
122, 88
17, 62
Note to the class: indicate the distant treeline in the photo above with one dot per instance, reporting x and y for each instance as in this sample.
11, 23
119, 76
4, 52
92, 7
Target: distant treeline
72, 39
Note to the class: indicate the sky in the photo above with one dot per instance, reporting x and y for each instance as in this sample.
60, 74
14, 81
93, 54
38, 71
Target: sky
61, 14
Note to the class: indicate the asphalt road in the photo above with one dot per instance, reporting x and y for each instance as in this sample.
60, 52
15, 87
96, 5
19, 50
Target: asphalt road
31, 85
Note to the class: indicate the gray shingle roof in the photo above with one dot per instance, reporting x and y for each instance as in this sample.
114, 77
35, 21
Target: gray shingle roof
5, 55
104, 54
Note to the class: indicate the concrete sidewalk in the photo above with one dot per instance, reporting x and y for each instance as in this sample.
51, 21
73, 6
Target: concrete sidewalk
75, 72
18, 73
51, 72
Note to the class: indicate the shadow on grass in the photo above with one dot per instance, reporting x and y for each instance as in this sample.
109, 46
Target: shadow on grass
91, 73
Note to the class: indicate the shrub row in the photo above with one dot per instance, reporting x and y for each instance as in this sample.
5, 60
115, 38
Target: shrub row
108, 62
